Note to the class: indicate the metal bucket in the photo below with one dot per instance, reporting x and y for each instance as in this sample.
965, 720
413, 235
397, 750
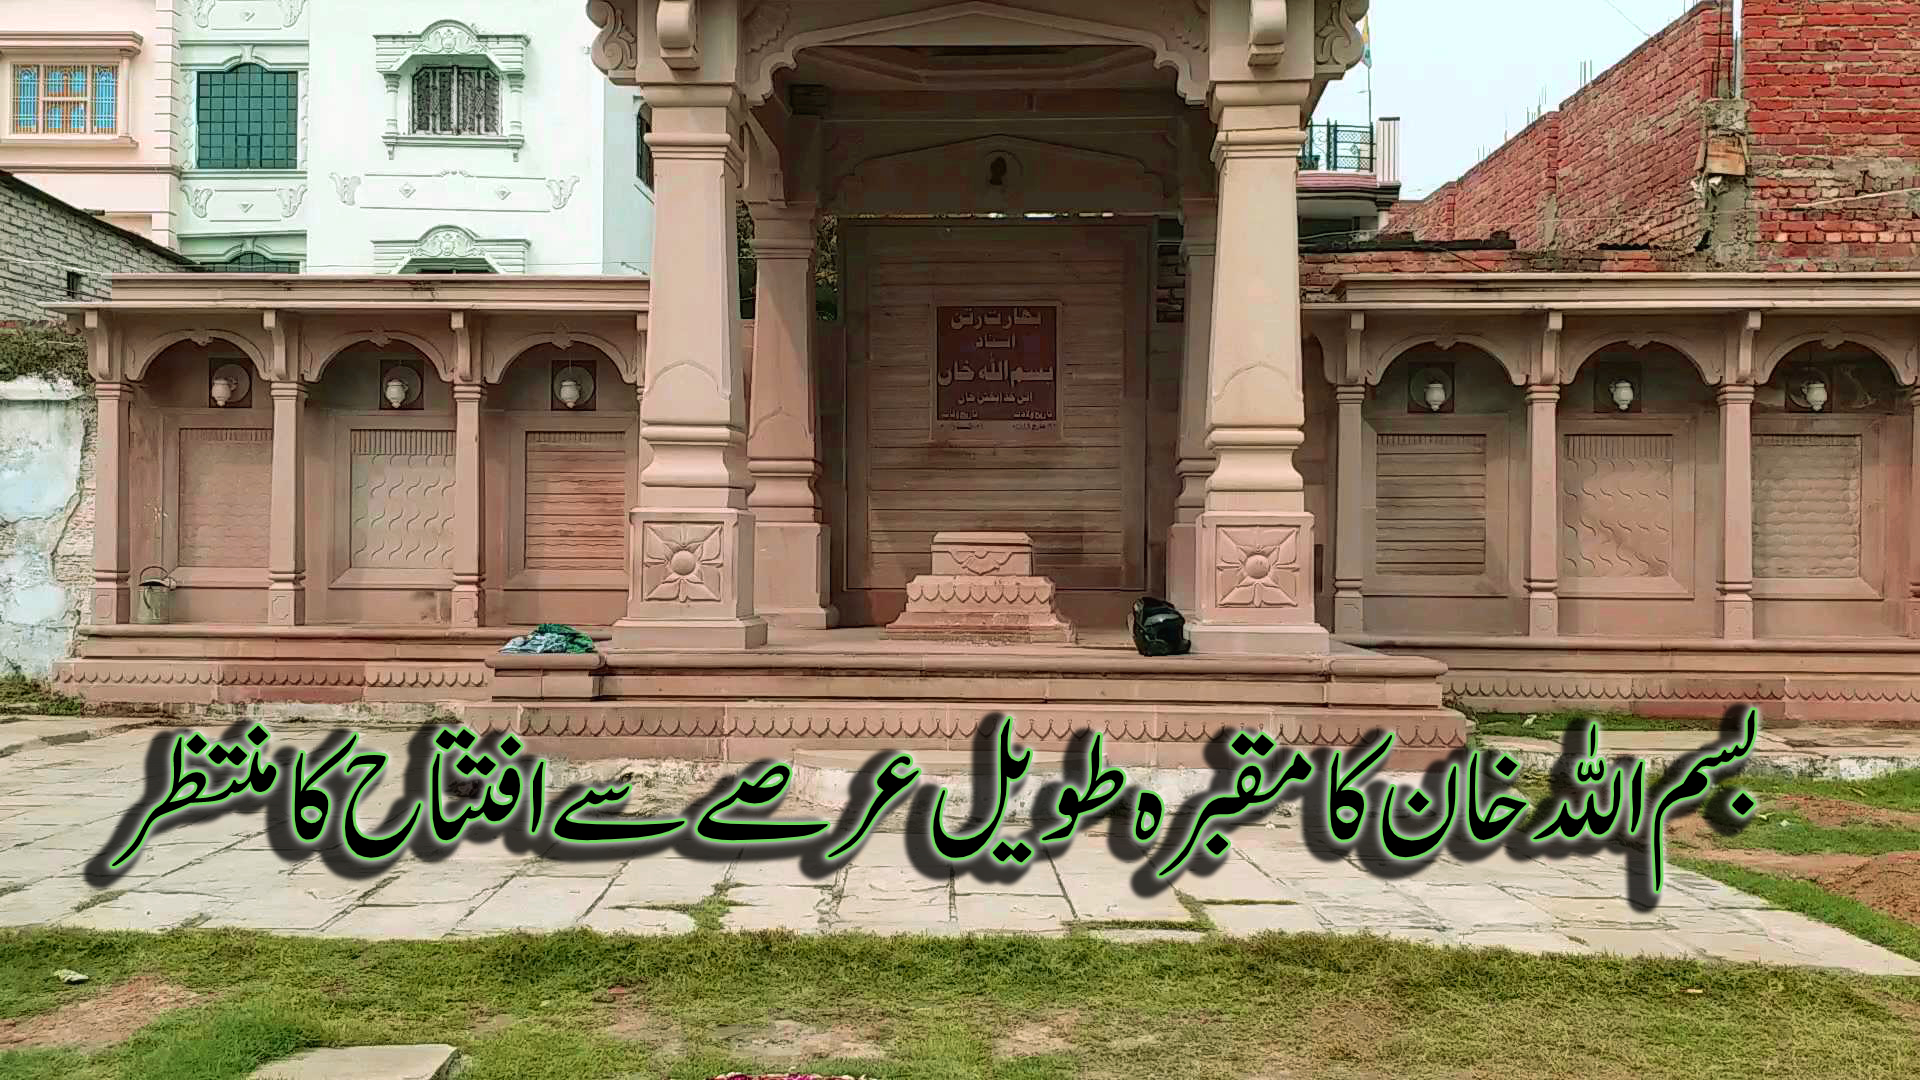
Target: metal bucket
153, 598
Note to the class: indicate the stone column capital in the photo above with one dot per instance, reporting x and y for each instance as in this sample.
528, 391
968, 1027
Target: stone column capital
1734, 394
1350, 394
1543, 394
295, 390
112, 391
469, 392
1913, 395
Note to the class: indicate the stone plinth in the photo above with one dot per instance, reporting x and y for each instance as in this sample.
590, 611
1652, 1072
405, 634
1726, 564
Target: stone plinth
982, 588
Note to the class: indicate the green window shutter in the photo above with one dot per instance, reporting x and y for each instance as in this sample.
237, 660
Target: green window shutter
248, 119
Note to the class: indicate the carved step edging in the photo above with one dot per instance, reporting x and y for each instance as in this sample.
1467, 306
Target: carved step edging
154, 680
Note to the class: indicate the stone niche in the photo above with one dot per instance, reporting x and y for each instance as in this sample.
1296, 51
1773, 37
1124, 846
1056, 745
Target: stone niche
982, 589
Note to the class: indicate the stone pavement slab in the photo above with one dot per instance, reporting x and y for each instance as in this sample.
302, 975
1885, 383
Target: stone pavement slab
222, 872
427, 1062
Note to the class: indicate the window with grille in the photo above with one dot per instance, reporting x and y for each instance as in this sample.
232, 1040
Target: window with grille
643, 154
456, 101
252, 262
66, 99
248, 119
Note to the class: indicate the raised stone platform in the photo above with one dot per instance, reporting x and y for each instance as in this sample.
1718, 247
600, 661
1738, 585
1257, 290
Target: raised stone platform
1852, 681
855, 689
982, 589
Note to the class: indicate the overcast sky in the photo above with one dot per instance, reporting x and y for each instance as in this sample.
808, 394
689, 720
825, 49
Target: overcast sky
1462, 77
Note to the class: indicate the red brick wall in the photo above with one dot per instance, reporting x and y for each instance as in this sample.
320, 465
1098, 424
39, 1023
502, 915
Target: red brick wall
1319, 272
1513, 190
1833, 92
1612, 166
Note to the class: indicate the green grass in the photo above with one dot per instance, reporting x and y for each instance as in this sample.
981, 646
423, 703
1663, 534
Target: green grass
1552, 725
20, 694
1314, 1005
1790, 834
1815, 902
1894, 791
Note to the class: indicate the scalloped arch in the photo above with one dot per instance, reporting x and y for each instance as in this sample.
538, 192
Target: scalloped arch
253, 349
758, 84
1569, 371
1378, 362
497, 363
319, 359
1903, 369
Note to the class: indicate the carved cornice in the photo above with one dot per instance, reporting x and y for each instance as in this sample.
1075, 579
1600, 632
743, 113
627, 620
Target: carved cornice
507, 52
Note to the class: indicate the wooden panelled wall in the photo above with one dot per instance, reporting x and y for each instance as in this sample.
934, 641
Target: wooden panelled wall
1082, 495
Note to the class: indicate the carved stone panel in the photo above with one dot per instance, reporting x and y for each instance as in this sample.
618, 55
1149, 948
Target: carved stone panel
1623, 501
226, 485
402, 500
1807, 506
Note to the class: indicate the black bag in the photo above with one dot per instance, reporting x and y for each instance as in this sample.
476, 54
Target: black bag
1158, 628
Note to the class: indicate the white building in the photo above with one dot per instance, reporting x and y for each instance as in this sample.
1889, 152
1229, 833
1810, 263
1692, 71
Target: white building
334, 136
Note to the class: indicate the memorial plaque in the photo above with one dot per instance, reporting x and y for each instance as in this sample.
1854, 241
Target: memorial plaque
996, 368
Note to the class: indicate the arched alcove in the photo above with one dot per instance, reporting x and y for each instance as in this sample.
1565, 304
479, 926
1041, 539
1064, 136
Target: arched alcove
202, 479
381, 523
566, 428
1439, 442
1639, 489
1830, 499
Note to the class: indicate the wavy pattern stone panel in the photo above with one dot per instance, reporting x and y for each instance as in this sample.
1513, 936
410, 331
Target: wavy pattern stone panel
576, 512
402, 500
1617, 506
1430, 505
1806, 506
226, 496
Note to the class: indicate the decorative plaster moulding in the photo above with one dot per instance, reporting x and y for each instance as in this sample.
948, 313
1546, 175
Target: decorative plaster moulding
395, 54
451, 243
117, 42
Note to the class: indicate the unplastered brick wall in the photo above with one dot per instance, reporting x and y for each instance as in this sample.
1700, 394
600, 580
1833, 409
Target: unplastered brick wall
1833, 108
1613, 165
1320, 272
44, 240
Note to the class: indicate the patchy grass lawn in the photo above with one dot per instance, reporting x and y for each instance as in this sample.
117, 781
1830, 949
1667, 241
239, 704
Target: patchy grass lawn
580, 1006
20, 694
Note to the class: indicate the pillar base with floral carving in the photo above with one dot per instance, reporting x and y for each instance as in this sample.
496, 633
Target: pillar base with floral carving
1255, 575
693, 582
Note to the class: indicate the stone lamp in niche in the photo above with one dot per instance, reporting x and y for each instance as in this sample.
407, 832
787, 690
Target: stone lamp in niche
1436, 395
396, 392
569, 392
222, 390
1622, 391
1815, 392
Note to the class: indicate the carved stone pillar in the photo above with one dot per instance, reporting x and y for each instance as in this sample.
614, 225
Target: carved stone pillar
111, 539
1195, 460
1349, 513
1254, 566
287, 542
1736, 561
791, 587
1913, 517
469, 505
692, 534
1543, 511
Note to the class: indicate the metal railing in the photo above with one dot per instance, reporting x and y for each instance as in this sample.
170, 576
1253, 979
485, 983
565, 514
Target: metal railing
1332, 147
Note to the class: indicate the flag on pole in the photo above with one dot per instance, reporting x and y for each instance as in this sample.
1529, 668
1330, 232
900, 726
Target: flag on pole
1366, 41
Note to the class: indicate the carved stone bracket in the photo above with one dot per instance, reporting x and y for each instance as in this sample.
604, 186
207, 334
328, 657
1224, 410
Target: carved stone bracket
1266, 32
616, 49
677, 28
1338, 43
